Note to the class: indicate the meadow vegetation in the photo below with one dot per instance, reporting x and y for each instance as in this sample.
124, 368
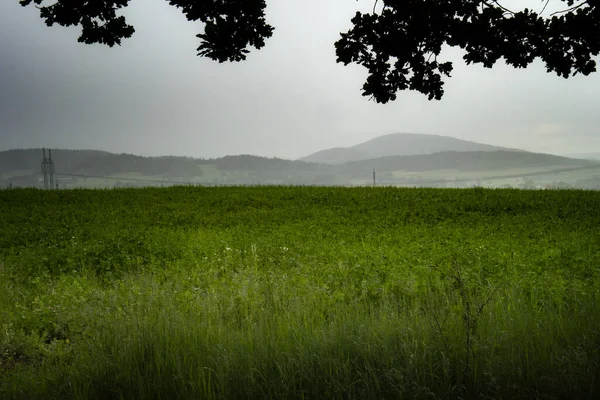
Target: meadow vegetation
299, 293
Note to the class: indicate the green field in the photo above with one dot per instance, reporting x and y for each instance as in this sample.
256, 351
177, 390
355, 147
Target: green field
299, 293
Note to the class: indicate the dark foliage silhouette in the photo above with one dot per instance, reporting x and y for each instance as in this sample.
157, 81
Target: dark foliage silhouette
398, 42
230, 26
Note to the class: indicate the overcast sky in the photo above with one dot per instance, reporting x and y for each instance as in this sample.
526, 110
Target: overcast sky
154, 96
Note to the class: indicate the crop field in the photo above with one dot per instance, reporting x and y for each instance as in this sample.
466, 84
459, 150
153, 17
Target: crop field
299, 293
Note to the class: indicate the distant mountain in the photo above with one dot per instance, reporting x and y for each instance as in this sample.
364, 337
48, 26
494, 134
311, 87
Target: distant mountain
93, 162
585, 156
480, 161
22, 167
98, 169
398, 144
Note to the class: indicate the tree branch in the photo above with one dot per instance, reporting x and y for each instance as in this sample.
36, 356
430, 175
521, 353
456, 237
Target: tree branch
486, 2
570, 9
545, 5
44, 7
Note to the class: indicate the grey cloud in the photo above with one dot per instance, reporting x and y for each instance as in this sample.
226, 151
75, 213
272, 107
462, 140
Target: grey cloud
153, 95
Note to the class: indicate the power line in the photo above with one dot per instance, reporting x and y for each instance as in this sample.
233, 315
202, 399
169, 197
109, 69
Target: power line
116, 178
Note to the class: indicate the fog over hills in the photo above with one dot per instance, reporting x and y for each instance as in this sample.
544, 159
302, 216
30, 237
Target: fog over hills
89, 168
399, 159
585, 156
481, 161
398, 144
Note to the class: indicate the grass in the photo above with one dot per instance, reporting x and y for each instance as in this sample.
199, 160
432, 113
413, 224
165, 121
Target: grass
283, 292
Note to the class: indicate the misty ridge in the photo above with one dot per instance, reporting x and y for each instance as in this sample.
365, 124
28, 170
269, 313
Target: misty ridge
399, 144
399, 159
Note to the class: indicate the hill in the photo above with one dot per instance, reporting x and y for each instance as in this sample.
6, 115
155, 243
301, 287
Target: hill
87, 168
587, 156
398, 144
22, 167
480, 161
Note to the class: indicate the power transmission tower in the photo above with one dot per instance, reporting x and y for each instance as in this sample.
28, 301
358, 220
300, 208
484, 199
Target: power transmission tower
45, 168
51, 169
48, 169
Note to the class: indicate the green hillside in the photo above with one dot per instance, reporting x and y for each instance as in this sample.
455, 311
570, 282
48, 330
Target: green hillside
465, 161
398, 144
84, 168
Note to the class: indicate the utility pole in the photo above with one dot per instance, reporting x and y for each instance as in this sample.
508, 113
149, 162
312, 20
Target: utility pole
373, 177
